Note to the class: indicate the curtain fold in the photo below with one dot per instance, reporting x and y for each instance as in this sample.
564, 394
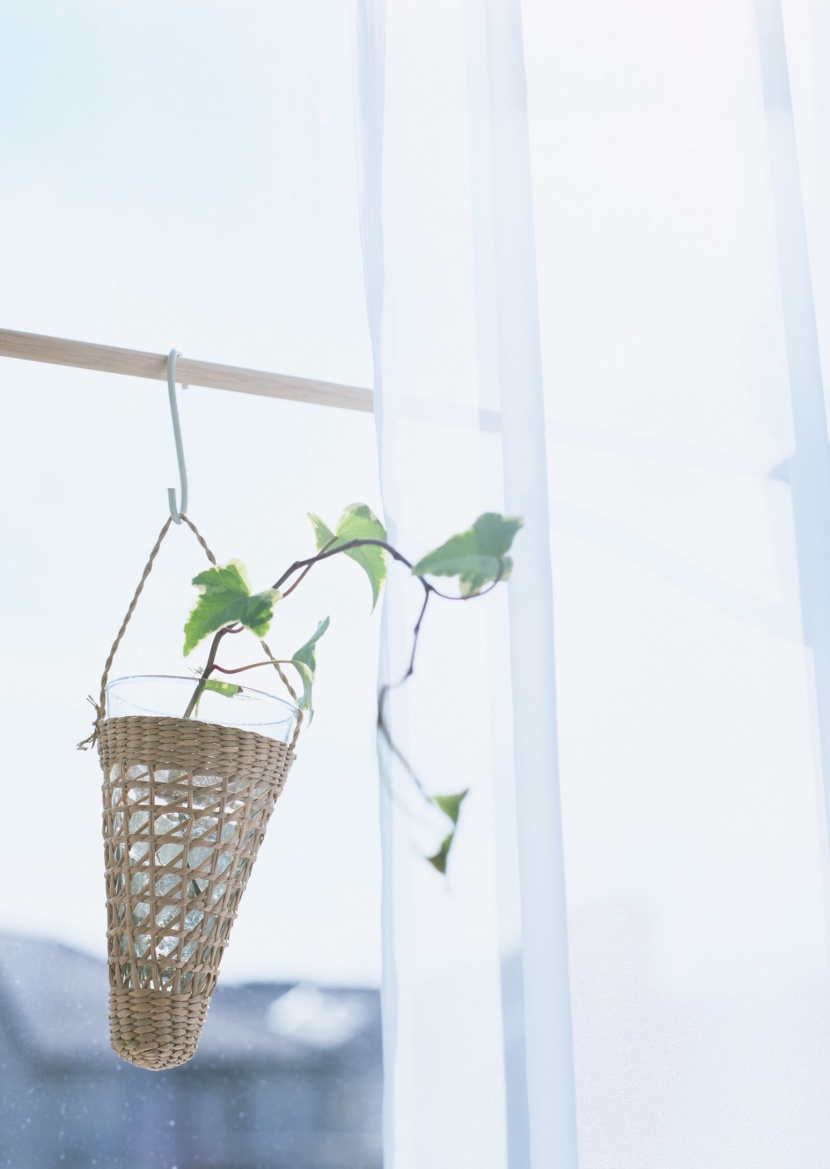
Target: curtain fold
441, 365
590, 303
808, 469
505, 190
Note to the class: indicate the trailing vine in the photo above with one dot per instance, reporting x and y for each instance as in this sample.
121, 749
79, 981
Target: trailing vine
477, 559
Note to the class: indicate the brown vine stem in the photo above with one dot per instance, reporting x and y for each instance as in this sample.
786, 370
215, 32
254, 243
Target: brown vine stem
253, 665
304, 567
210, 666
327, 551
383, 729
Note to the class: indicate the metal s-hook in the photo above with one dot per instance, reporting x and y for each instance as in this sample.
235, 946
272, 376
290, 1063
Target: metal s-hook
176, 510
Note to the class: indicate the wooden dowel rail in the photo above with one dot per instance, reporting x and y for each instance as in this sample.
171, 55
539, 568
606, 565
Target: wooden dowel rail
189, 372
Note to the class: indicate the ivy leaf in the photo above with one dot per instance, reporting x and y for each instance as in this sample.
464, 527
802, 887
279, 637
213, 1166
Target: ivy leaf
259, 610
308, 653
225, 598
304, 662
451, 807
228, 689
358, 522
477, 557
307, 680
439, 860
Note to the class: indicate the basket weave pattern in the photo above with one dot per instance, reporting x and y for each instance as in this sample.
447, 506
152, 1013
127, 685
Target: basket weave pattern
186, 805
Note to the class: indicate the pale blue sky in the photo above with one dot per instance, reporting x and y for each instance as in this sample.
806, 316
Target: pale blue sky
182, 175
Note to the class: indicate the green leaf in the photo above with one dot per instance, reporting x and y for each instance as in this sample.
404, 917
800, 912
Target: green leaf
259, 610
228, 689
358, 522
307, 680
439, 860
304, 662
308, 652
477, 557
451, 807
225, 598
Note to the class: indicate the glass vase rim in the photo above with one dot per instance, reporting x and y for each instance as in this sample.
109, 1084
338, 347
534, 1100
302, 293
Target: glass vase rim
193, 681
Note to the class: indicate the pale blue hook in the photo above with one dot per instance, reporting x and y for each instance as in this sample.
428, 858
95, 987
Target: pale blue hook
175, 510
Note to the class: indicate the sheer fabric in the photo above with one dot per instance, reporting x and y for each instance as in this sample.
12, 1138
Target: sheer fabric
594, 308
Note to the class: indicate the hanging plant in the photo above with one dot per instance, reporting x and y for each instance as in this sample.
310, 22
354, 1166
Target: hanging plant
187, 800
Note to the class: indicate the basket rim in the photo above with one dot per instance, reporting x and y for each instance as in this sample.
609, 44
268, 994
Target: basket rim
196, 727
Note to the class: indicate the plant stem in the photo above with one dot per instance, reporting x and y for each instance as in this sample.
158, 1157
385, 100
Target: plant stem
304, 567
253, 665
210, 665
328, 551
383, 729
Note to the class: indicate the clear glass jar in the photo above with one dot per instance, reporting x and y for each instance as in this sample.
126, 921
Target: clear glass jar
164, 695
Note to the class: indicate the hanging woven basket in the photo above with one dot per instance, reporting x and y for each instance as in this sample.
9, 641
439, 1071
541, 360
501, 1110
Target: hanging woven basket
186, 805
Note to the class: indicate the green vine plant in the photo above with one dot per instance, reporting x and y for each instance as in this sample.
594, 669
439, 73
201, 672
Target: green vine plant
477, 559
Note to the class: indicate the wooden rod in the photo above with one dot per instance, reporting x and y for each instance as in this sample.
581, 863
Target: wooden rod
134, 363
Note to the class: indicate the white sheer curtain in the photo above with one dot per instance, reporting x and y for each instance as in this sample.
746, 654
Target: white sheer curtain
589, 284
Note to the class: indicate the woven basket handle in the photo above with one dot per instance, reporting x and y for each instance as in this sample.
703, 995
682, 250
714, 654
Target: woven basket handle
100, 705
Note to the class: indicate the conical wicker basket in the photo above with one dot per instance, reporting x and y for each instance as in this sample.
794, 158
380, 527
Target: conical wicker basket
186, 804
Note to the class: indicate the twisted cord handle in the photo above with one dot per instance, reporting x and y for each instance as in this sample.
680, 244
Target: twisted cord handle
100, 705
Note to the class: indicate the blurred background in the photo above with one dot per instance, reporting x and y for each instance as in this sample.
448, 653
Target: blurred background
181, 176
